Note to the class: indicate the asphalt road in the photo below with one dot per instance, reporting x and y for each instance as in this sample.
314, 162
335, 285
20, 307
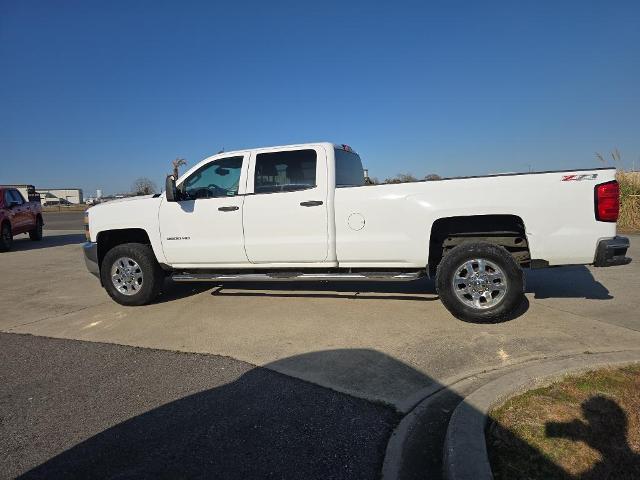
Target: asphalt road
71, 409
63, 220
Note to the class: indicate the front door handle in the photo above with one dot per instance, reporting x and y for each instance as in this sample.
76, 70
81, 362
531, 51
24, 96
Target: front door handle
228, 209
311, 203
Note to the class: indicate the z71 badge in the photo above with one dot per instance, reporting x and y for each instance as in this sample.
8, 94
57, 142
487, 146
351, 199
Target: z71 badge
579, 178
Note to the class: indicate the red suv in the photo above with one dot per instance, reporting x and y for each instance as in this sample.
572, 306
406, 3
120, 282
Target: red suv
18, 216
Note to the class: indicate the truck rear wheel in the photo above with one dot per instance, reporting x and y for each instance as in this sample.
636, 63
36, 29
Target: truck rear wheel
480, 282
6, 237
36, 233
131, 275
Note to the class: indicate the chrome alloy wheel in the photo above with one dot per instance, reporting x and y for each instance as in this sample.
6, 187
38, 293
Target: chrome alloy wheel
126, 276
479, 283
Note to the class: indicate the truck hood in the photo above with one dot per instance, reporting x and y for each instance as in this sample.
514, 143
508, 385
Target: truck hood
140, 198
133, 212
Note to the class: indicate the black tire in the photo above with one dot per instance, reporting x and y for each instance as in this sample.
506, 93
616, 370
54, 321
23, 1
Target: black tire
505, 306
152, 275
36, 234
6, 237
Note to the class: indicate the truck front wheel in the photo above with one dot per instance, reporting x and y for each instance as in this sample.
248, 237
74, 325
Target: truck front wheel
131, 275
480, 282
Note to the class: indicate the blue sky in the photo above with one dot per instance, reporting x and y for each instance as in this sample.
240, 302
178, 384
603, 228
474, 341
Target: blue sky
94, 94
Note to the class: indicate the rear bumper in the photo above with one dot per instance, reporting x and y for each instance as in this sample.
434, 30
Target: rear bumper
90, 250
612, 252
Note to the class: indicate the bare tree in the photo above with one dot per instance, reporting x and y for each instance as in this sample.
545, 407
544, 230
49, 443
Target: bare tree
401, 178
616, 157
177, 163
433, 176
143, 186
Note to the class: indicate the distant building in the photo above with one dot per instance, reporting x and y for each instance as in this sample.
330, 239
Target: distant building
61, 195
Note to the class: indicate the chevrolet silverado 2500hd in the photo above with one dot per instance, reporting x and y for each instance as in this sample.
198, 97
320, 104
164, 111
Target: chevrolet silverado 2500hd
304, 213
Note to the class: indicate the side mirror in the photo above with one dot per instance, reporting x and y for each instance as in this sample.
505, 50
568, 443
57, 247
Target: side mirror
170, 188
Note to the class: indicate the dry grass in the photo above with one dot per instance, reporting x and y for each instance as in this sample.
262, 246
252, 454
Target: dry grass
629, 219
585, 426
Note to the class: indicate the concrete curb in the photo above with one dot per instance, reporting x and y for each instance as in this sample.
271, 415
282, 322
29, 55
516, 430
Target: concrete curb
400, 460
404, 455
465, 450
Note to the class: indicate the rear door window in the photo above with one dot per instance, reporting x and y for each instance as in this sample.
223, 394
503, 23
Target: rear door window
285, 171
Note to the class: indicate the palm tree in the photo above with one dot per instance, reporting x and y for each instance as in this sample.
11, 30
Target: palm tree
177, 163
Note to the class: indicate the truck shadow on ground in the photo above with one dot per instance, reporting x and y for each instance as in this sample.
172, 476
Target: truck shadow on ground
559, 282
23, 243
417, 291
565, 282
264, 425
175, 291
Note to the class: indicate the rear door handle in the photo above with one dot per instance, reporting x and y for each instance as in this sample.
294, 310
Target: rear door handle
228, 209
311, 203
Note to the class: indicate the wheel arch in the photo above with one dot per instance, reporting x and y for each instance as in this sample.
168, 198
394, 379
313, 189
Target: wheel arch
506, 230
107, 239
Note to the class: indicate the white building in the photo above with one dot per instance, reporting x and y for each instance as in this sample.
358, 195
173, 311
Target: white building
71, 195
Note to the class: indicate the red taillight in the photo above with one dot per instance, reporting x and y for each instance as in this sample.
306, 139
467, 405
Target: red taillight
607, 197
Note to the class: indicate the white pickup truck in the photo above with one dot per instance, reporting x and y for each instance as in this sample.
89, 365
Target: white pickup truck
305, 213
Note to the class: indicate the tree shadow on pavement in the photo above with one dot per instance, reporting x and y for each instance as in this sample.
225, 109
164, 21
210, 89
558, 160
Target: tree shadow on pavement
23, 243
261, 424
565, 282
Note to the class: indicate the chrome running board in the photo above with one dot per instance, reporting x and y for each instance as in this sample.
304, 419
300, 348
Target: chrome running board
298, 277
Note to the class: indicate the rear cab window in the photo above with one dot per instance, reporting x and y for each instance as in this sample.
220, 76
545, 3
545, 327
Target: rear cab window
286, 171
349, 172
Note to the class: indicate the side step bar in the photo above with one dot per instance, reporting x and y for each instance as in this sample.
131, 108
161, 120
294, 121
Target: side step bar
297, 277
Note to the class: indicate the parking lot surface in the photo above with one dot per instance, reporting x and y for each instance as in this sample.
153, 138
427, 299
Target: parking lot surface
403, 338
385, 344
569, 309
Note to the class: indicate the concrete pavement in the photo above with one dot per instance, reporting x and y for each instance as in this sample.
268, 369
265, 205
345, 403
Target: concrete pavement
573, 309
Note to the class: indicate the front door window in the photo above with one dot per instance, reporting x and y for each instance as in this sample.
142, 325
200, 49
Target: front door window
216, 179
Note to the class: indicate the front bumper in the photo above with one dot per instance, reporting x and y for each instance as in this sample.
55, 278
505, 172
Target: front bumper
611, 252
90, 250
